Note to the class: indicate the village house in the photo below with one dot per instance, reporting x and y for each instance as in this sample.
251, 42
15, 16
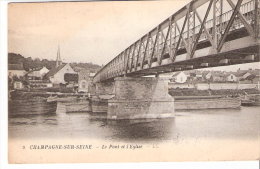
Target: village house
242, 75
231, 77
207, 76
251, 76
84, 81
252, 79
16, 70
215, 76
195, 76
37, 73
179, 77
18, 84
256, 78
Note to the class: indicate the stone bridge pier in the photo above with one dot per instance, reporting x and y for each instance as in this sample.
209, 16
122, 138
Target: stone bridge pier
137, 98
107, 88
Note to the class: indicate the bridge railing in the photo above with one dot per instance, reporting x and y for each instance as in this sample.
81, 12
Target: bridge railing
169, 39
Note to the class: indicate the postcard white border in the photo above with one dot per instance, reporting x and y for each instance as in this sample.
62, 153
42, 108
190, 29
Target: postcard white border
4, 125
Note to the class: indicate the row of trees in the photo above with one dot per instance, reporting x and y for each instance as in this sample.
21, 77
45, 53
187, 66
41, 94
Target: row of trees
30, 63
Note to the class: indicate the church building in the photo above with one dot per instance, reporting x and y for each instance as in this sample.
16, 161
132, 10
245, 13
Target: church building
57, 74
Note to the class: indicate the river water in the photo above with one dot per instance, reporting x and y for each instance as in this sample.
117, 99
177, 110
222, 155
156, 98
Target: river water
243, 123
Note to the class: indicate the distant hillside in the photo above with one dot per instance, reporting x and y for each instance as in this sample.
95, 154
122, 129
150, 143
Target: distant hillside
15, 58
30, 63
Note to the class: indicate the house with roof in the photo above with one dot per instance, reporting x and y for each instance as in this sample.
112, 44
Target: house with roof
256, 78
179, 77
252, 79
208, 76
251, 76
18, 84
194, 75
242, 75
215, 76
16, 70
205, 76
85, 80
37, 73
57, 74
248, 76
231, 77
218, 77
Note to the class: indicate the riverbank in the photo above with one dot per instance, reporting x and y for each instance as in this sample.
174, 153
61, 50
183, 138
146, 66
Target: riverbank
223, 92
44, 93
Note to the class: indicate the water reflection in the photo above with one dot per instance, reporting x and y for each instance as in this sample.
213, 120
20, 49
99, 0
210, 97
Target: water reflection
140, 130
220, 124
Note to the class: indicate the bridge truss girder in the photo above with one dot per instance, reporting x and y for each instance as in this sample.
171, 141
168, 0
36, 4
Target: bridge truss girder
183, 34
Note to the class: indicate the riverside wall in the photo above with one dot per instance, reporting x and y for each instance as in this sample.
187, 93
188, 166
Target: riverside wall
214, 86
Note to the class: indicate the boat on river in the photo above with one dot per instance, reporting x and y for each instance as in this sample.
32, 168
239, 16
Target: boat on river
247, 102
61, 99
250, 100
255, 98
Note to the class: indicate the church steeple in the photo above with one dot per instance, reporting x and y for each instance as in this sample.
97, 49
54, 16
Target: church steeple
58, 60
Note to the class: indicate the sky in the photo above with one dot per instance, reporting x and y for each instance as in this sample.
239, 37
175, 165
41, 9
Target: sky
85, 31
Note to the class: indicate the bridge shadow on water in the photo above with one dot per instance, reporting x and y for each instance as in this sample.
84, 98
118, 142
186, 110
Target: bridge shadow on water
139, 130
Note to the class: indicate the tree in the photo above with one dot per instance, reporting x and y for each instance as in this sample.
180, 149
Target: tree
29, 63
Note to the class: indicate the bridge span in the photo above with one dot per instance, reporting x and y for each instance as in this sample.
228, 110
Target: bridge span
204, 33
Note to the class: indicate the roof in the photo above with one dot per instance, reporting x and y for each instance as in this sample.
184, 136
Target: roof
218, 73
251, 77
177, 73
36, 69
53, 71
240, 73
15, 67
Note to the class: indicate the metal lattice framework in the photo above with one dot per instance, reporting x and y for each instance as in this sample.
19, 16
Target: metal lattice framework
226, 33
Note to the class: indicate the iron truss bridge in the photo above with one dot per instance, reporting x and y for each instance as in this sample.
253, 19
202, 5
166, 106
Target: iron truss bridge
204, 33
